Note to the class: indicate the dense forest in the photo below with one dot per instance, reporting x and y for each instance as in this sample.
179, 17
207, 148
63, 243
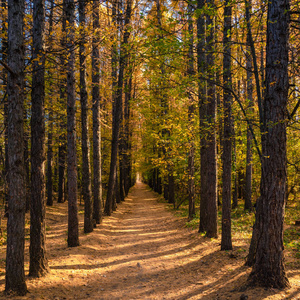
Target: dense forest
198, 99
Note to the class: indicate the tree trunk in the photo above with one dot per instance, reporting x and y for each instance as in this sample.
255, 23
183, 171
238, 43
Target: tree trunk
4, 78
248, 185
117, 110
49, 184
115, 121
127, 152
97, 183
208, 192
38, 261
226, 243
15, 277
191, 116
269, 270
62, 149
61, 169
86, 177
202, 111
73, 235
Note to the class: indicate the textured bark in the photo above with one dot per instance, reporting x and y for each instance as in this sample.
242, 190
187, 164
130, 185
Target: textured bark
86, 177
38, 260
4, 76
49, 183
269, 270
117, 110
61, 169
97, 180
73, 234
62, 149
248, 184
208, 172
235, 180
191, 116
15, 277
226, 243
127, 152
202, 111
253, 245
27, 160
115, 123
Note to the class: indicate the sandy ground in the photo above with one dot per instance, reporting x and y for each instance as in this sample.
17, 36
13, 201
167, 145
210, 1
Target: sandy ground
142, 251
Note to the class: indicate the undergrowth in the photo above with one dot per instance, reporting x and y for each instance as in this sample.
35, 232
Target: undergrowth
242, 223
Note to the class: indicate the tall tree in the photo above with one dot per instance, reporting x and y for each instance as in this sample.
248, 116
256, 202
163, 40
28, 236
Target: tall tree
73, 234
116, 116
117, 110
248, 183
15, 277
62, 93
4, 80
191, 114
269, 270
97, 183
86, 177
208, 192
49, 183
226, 243
38, 261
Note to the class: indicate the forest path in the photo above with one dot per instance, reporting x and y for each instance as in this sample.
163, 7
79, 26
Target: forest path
142, 251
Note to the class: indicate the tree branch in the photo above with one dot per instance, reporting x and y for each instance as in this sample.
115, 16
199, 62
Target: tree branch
7, 67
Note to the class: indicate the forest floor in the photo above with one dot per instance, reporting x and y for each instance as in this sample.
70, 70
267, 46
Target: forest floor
143, 251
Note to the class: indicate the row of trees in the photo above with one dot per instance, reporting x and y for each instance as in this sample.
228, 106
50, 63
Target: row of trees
147, 76
215, 57
50, 53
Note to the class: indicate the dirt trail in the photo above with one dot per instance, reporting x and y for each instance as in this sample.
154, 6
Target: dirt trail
141, 252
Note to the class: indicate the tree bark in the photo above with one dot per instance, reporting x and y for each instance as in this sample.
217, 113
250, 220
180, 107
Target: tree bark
191, 115
4, 74
208, 193
38, 260
62, 138
86, 176
97, 183
73, 234
117, 110
49, 183
269, 270
15, 277
127, 152
226, 243
115, 121
248, 185
202, 111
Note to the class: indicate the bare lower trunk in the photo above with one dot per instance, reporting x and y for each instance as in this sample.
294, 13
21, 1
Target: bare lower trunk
191, 116
226, 243
73, 235
269, 270
208, 152
117, 110
38, 260
97, 183
86, 177
248, 185
15, 277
